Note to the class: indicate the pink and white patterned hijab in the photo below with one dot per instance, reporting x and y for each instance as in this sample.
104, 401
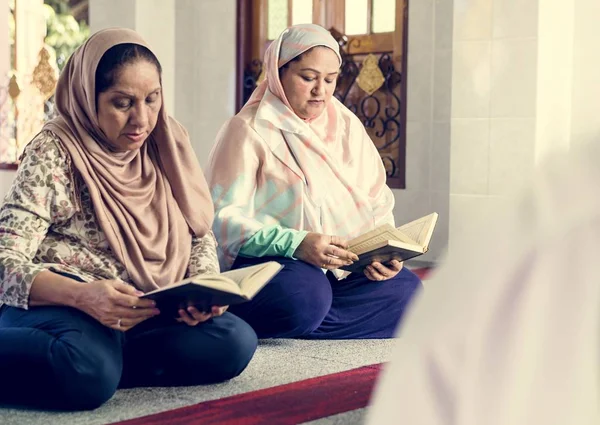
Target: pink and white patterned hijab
291, 43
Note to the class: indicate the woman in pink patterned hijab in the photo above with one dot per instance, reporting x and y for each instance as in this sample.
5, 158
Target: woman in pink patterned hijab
293, 176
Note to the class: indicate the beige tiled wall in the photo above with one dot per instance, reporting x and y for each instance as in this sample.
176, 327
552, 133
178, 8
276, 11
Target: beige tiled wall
525, 82
513, 77
554, 76
493, 105
471, 71
205, 69
511, 153
469, 164
585, 124
428, 118
514, 19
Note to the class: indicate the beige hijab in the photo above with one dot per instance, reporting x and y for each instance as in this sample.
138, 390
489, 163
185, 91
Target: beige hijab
149, 201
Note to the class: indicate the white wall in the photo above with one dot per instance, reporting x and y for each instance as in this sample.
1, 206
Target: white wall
524, 84
428, 118
554, 76
493, 105
585, 124
205, 68
111, 13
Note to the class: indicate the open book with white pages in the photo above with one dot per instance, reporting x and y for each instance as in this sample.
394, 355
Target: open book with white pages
207, 290
386, 243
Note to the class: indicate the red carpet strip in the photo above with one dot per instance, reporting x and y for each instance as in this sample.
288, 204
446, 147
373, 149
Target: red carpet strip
291, 404
422, 272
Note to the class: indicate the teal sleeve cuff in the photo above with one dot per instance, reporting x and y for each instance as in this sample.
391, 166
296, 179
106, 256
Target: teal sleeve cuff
273, 240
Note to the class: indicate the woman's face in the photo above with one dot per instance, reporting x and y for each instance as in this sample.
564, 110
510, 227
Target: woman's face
309, 83
128, 111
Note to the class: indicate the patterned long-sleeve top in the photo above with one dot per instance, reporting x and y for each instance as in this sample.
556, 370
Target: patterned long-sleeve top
47, 222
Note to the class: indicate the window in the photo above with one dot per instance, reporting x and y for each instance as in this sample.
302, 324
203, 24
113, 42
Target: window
277, 17
382, 15
373, 35
302, 12
369, 16
356, 17
42, 35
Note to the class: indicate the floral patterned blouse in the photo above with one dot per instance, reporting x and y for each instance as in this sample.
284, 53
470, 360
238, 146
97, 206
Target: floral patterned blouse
45, 226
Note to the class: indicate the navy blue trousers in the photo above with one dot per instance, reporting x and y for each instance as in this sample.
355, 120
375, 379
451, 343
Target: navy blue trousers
303, 302
61, 358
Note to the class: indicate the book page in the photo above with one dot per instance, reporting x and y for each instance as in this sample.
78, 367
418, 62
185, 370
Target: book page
250, 279
420, 230
382, 233
245, 281
239, 275
215, 281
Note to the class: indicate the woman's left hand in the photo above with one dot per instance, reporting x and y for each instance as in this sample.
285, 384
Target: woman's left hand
377, 271
192, 316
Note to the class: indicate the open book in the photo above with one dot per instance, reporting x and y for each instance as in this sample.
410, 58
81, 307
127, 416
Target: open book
207, 290
385, 243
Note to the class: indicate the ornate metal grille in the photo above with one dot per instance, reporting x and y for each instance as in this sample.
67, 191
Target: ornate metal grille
380, 112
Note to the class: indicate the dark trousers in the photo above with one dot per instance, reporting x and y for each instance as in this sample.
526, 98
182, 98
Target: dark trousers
61, 358
303, 302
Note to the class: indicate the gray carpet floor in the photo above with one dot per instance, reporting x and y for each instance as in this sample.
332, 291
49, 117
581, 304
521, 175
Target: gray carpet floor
276, 362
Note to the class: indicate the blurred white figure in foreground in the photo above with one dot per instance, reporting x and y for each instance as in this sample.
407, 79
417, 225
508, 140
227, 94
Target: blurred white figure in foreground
508, 331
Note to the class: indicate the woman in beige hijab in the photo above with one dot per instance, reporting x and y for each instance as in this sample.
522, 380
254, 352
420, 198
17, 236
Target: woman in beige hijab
109, 202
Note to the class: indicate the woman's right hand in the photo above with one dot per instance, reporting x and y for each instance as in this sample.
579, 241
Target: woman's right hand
325, 251
115, 304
